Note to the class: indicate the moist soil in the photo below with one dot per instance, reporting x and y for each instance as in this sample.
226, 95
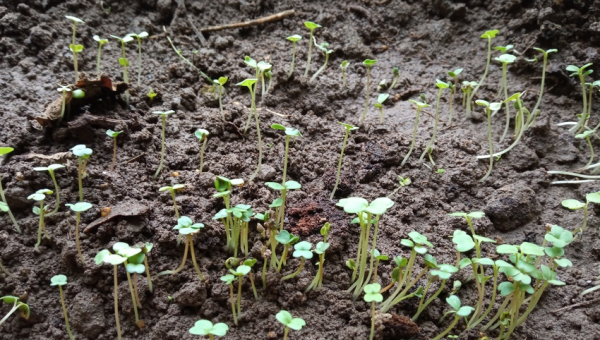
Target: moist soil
425, 39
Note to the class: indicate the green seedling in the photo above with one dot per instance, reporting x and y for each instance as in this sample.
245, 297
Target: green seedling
269, 76
323, 47
396, 73
248, 83
505, 59
303, 251
380, 100
151, 95
113, 134
236, 221
50, 168
320, 249
544, 64
220, 82
402, 182
373, 296
202, 136
503, 50
205, 327
439, 272
263, 68
586, 135
488, 110
287, 239
17, 305
454, 74
368, 63
344, 66
105, 256
489, 35
590, 92
420, 106
224, 186
63, 89
78, 208
101, 42
581, 72
187, 228
441, 86
458, 311
311, 26
348, 128
378, 257
163, 116
139, 38
75, 49
294, 39
132, 265
83, 154
519, 124
61, 280
124, 62
146, 248
40, 196
289, 322
178, 51
250, 263
573, 204
270, 225
239, 272
467, 88
228, 279
172, 190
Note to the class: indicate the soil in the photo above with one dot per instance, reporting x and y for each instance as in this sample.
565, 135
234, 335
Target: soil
424, 38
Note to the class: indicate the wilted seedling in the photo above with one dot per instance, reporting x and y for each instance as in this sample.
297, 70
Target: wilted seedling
573, 204
61, 280
63, 89
40, 196
113, 134
294, 39
248, 83
320, 250
303, 251
323, 47
348, 128
187, 228
172, 190
311, 26
505, 59
151, 95
205, 327
372, 295
286, 319
78, 208
76, 49
535, 111
368, 63
23, 308
458, 311
163, 116
220, 82
4, 150
83, 154
101, 42
105, 256
441, 86
454, 74
489, 35
344, 66
586, 135
139, 38
581, 72
420, 106
50, 168
396, 73
202, 136
402, 182
124, 62
380, 100
488, 110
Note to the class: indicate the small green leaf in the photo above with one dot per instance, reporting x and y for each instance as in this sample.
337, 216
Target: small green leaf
113, 134
490, 34
531, 249
58, 280
441, 85
201, 134
507, 249
79, 206
275, 186
572, 204
292, 185
563, 263
248, 83
294, 38
369, 62
311, 25
506, 58
464, 311
454, 302
353, 205
372, 293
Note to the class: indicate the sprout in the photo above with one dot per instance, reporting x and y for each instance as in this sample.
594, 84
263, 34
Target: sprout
172, 190
101, 42
205, 327
16, 305
311, 26
124, 62
488, 110
372, 295
61, 280
163, 115
368, 63
50, 168
505, 59
64, 90
202, 136
294, 39
287, 239
320, 249
590, 91
454, 74
581, 72
78, 208
151, 94
303, 251
133, 265
187, 228
184, 58
239, 272
113, 134
228, 279
73, 47
441, 86
396, 76
146, 250
83, 153
539, 101
467, 88
348, 128
420, 106
248, 83
402, 182
380, 99
224, 186
139, 38
489, 35
250, 263
220, 82
323, 47
586, 135
459, 312
263, 68
573, 204
40, 196
286, 319
343, 67
105, 256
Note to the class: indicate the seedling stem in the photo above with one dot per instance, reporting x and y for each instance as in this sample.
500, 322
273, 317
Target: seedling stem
368, 63
489, 35
348, 128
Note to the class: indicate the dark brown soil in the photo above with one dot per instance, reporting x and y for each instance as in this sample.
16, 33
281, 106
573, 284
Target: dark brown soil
424, 38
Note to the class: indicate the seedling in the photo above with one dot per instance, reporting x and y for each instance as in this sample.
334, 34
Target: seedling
40, 196
78, 208
220, 82
232, 231
105, 256
263, 68
63, 89
581, 72
458, 311
303, 251
311, 26
505, 59
228, 279
61, 280
368, 63
348, 128
573, 204
269, 76
76, 49
202, 136
101, 42
344, 66
136, 264
454, 74
467, 88
248, 83
590, 92
396, 76
50, 168
83, 154
205, 327
286, 319
441, 86
320, 249
372, 295
294, 39
172, 190
23, 308
539, 101
113, 134
586, 135
488, 110
323, 47
380, 100
402, 182
239, 272
146, 250
133, 260
250, 263
439, 272
489, 35
163, 115
420, 106
151, 95
124, 62
139, 38
519, 125
184, 58
188, 229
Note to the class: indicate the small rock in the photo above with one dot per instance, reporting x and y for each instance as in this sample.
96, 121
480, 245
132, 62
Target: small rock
512, 206
40, 37
523, 158
192, 294
267, 173
393, 326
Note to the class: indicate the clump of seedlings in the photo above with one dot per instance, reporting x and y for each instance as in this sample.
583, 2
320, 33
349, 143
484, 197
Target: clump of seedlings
50, 168
396, 73
75, 49
505, 59
40, 196
488, 110
373, 295
573, 204
113, 134
61, 280
294, 39
380, 100
83, 154
249, 84
101, 43
187, 228
489, 35
420, 106
368, 63
172, 190
323, 47
289, 322
78, 208
348, 128
105, 256
311, 26
437, 272
202, 136
344, 66
205, 327
220, 82
458, 311
163, 116
320, 249
441, 86
303, 251
581, 72
124, 62
17, 305
231, 223
454, 74
139, 38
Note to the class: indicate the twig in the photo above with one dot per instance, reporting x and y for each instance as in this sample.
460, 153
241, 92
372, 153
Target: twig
198, 33
259, 21
134, 158
576, 305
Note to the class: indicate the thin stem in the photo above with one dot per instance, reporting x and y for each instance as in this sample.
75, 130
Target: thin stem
220, 102
414, 137
259, 139
321, 69
447, 329
487, 66
430, 300
139, 60
372, 320
133, 300
64, 307
435, 126
286, 332
539, 101
283, 257
521, 131
451, 104
98, 61
57, 191
591, 151
185, 253
14, 309
264, 271
116, 294
421, 300
310, 39
80, 179
232, 303
294, 274
343, 77
491, 143
62, 110
578, 128
239, 296
148, 278
162, 148
498, 313
251, 276
281, 210
77, 243
114, 160
190, 240
367, 98
136, 290
40, 227
285, 159
363, 260
492, 300
339, 169
293, 59
506, 105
